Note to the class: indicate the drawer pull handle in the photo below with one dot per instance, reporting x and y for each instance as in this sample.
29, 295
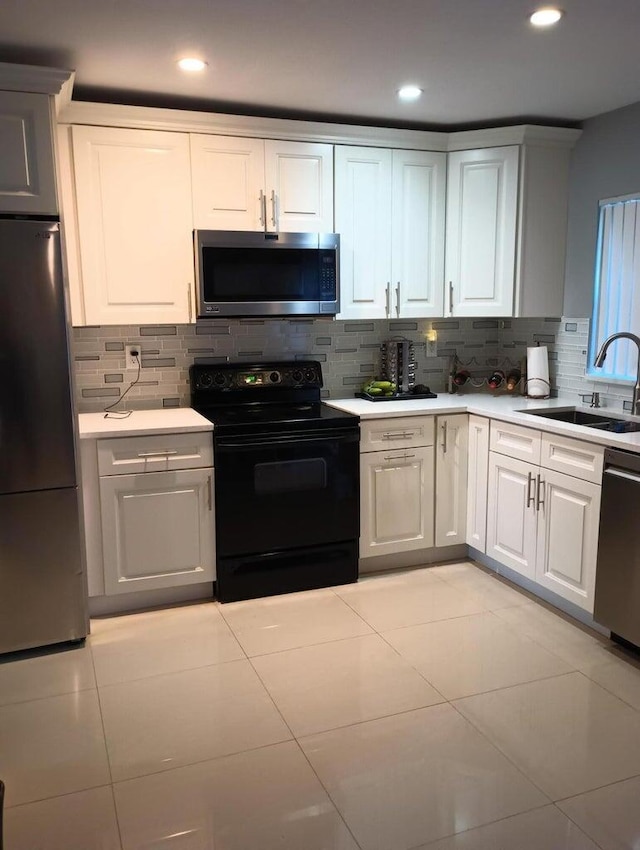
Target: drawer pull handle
405, 456
397, 435
164, 453
209, 501
539, 493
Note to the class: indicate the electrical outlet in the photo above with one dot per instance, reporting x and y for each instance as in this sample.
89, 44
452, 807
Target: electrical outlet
131, 357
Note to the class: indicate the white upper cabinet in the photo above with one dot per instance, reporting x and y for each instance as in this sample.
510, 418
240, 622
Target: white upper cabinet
299, 181
27, 177
482, 206
363, 220
134, 221
252, 184
506, 230
417, 207
227, 182
390, 217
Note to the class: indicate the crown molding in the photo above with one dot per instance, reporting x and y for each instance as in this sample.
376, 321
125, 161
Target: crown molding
152, 118
32, 78
518, 134
222, 124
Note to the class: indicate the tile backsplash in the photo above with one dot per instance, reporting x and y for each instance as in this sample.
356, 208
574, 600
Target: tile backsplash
349, 353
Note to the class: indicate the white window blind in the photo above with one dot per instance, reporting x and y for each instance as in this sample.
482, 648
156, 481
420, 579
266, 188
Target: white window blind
616, 303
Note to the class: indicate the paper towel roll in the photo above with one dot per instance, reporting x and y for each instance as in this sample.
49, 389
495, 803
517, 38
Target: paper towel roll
538, 372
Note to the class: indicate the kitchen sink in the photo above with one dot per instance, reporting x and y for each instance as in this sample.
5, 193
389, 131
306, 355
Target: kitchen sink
589, 420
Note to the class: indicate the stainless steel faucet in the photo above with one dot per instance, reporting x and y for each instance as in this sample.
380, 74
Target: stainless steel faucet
635, 401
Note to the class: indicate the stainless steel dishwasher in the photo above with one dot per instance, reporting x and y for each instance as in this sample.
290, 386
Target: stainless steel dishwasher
617, 600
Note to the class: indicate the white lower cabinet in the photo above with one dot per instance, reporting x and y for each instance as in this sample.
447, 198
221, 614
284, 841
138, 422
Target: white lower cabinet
567, 543
396, 501
396, 485
157, 529
477, 481
149, 512
451, 479
511, 517
543, 523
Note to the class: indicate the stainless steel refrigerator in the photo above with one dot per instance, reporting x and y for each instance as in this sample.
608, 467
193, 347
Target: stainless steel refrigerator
42, 585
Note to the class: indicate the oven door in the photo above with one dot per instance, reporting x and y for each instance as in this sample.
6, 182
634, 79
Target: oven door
275, 493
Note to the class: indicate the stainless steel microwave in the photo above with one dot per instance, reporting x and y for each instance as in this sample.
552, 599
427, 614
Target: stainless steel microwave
246, 273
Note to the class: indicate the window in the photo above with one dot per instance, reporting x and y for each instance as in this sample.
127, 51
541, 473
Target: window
616, 303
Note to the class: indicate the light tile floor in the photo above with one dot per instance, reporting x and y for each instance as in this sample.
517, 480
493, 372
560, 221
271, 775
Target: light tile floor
434, 708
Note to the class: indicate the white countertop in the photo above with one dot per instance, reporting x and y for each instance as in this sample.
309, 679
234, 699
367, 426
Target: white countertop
173, 420
180, 420
506, 408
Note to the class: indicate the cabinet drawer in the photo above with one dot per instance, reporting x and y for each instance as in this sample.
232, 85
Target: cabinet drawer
157, 453
396, 433
573, 457
515, 441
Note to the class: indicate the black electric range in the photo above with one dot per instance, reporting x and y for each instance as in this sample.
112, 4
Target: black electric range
287, 478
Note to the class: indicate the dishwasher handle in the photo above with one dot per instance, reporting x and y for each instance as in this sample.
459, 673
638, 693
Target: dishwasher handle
622, 473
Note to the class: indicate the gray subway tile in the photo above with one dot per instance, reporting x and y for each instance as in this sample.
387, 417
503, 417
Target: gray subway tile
323, 340
101, 392
256, 353
157, 362
158, 330
358, 327
114, 346
213, 330
485, 323
403, 326
83, 357
171, 402
445, 325
113, 378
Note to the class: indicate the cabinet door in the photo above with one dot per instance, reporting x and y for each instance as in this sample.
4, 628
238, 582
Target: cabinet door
568, 516
27, 177
418, 201
396, 509
227, 181
135, 226
482, 208
451, 479
477, 480
511, 514
157, 530
363, 220
299, 187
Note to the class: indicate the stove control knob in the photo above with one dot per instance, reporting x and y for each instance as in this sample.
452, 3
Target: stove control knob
205, 379
309, 375
274, 377
297, 376
219, 379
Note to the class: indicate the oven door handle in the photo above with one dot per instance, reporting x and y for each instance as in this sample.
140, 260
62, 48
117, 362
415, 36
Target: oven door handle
285, 439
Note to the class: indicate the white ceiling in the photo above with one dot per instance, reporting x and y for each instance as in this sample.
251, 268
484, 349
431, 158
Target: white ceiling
477, 60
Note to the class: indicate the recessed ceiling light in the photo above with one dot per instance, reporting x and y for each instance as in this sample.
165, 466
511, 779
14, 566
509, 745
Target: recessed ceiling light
546, 17
191, 64
409, 92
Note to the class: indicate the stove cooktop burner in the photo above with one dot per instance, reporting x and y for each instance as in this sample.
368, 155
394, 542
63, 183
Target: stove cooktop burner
243, 398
